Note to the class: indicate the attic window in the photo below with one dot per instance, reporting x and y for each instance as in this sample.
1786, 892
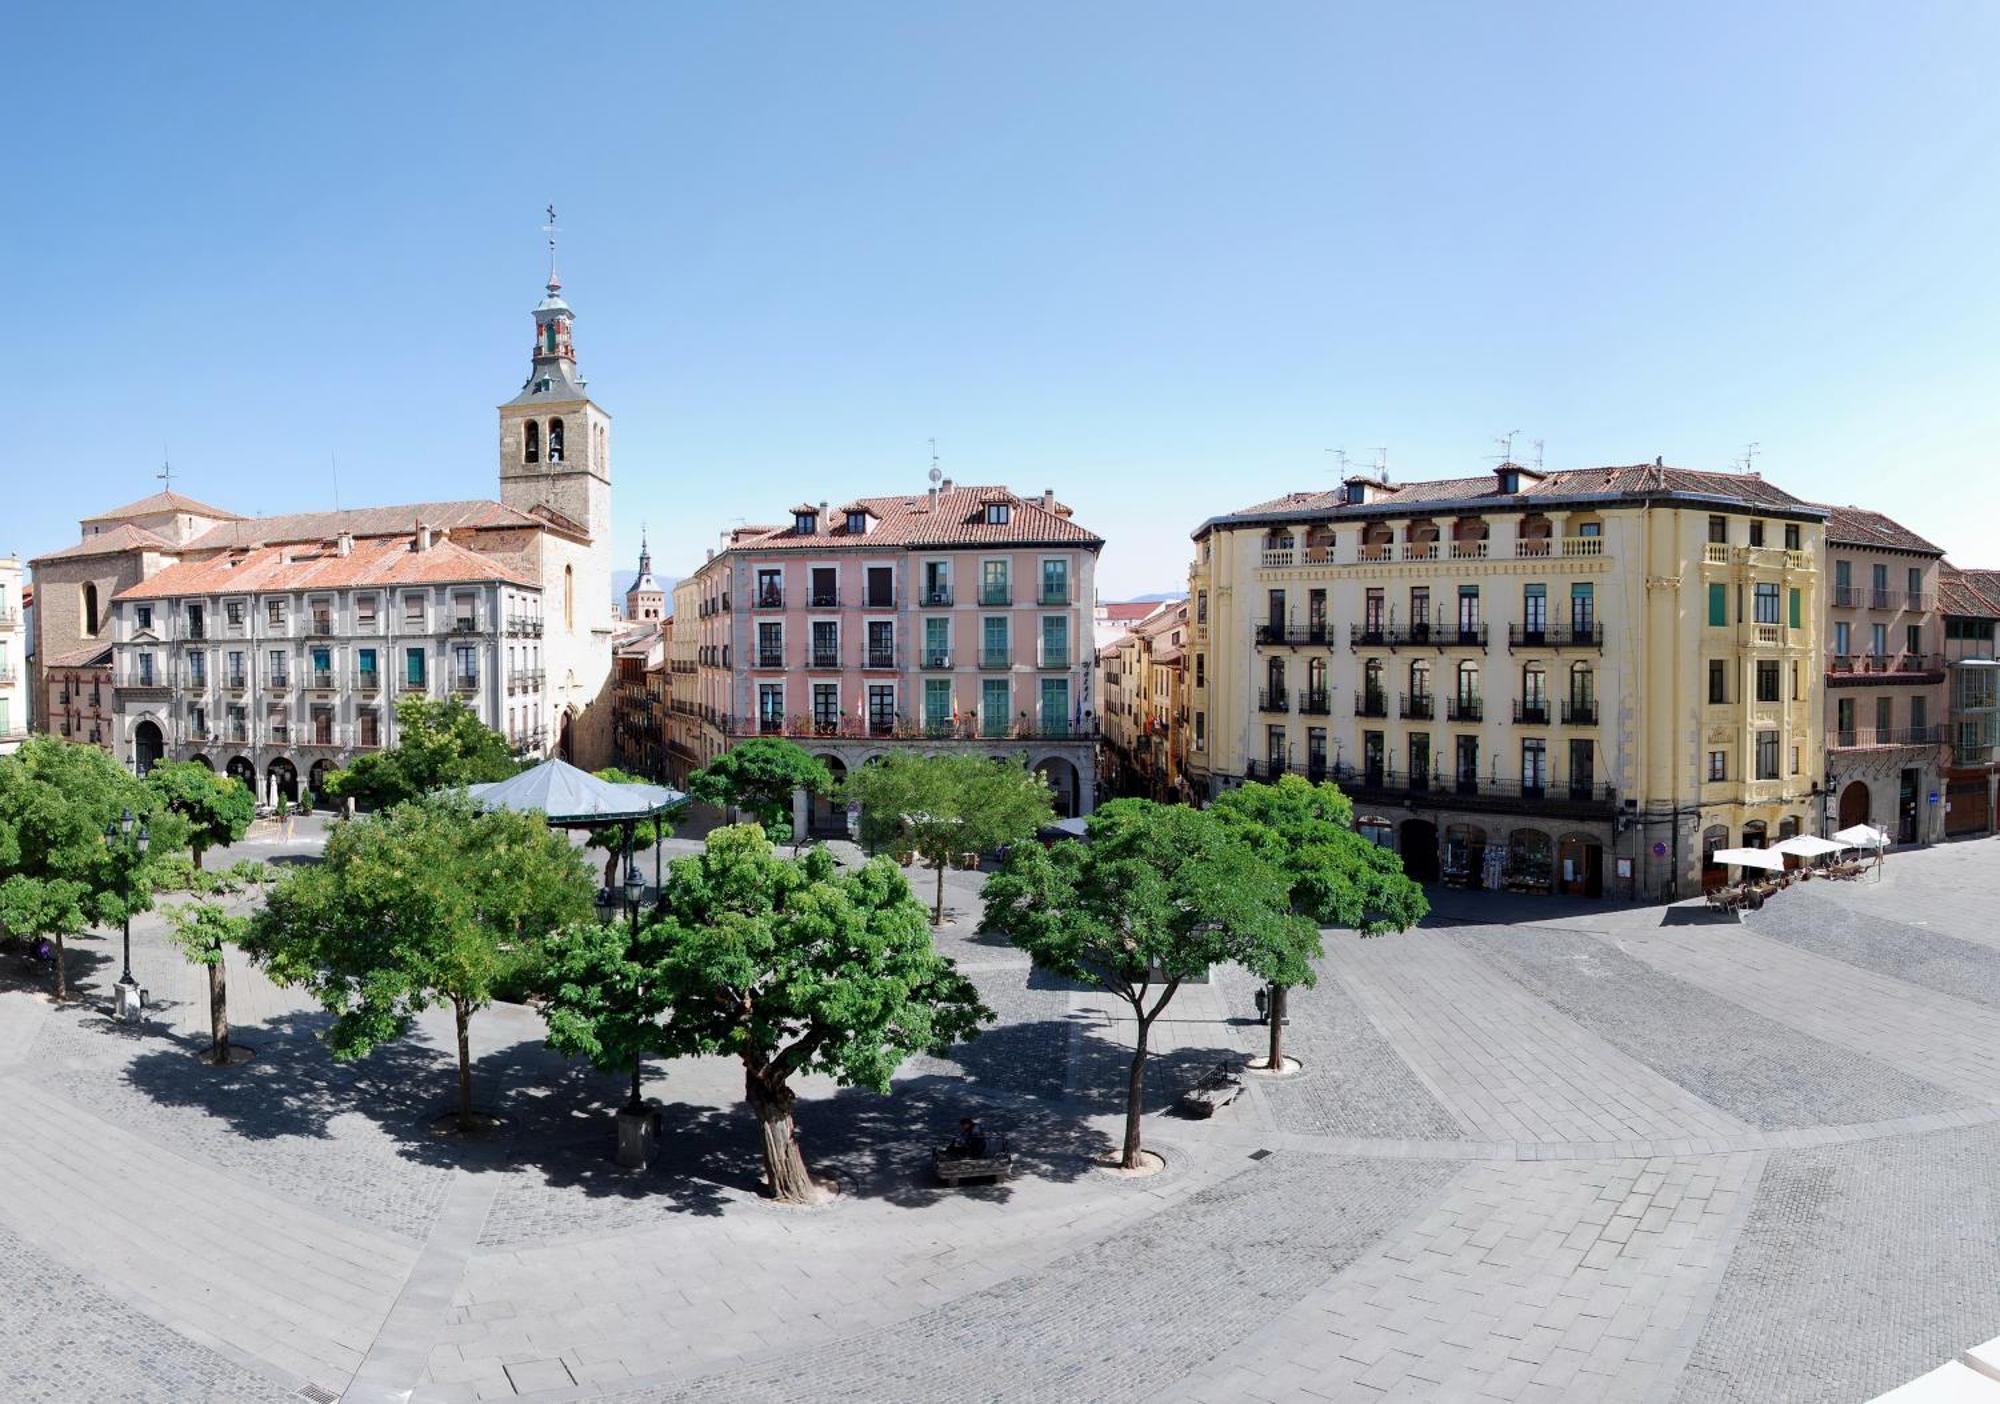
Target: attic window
1510, 480
998, 514
805, 523
1356, 494
857, 523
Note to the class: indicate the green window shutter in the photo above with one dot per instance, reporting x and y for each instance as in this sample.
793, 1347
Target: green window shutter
1718, 606
1795, 609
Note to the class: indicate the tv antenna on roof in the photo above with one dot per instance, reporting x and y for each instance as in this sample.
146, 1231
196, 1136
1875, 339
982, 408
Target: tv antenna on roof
1381, 463
1340, 457
166, 473
1538, 455
1506, 442
937, 473
1750, 455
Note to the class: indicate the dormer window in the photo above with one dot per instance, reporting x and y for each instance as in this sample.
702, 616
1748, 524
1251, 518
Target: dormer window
857, 523
998, 513
1357, 494
1510, 480
805, 523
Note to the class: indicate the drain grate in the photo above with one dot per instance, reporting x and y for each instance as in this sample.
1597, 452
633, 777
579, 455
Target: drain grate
319, 1394
1260, 1153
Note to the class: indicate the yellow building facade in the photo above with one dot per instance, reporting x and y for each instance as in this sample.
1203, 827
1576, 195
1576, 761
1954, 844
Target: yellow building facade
1581, 681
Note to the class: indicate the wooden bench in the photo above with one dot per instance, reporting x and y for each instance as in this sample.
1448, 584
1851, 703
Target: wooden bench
996, 1165
1212, 1091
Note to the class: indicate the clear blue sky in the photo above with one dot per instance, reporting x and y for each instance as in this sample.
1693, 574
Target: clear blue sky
1159, 257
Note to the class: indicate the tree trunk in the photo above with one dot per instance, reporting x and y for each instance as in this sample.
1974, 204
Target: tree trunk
1135, 1098
1275, 1061
611, 873
198, 851
784, 1164
464, 1017
62, 970
937, 911
218, 1008
638, 1102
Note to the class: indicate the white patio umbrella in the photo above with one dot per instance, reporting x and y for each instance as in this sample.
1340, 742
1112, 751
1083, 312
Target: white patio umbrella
1768, 858
1807, 846
1863, 836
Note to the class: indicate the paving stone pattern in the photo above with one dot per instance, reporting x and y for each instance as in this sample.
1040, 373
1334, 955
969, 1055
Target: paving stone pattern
1355, 1083
1934, 960
55, 1327
1754, 1068
1120, 1320
1861, 1266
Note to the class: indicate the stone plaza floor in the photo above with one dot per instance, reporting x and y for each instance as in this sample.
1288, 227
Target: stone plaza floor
1539, 1150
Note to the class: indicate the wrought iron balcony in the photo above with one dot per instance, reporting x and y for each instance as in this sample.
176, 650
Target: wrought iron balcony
995, 658
1463, 709
1418, 706
937, 658
826, 658
1315, 702
770, 599
1556, 636
1371, 702
825, 599
1531, 713
1273, 699
937, 596
1580, 712
881, 658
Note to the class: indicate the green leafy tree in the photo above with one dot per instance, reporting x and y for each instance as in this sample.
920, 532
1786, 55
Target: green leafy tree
204, 931
607, 1000
617, 839
792, 966
759, 777
1158, 895
429, 903
440, 743
35, 907
217, 809
943, 806
57, 799
1338, 878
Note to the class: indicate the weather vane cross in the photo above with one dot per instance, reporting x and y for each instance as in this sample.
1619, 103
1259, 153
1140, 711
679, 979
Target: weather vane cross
550, 229
166, 473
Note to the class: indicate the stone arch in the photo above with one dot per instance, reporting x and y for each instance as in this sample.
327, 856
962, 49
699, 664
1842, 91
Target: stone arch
555, 439
149, 745
1464, 855
1418, 843
531, 442
283, 779
203, 761
565, 732
91, 617
243, 770
1854, 804
316, 777
1531, 861
1580, 865
826, 815
1714, 875
1066, 783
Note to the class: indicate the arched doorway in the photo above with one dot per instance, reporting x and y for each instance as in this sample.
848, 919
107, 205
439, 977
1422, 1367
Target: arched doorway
203, 761
1854, 804
1580, 866
1465, 855
827, 816
316, 778
563, 738
1419, 844
1714, 875
147, 745
1062, 778
1756, 834
284, 779
244, 773
1531, 862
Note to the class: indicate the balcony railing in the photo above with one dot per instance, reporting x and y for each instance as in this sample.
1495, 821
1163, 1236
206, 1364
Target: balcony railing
769, 598
1463, 709
1468, 550
995, 598
1558, 636
881, 658
937, 658
1865, 738
1884, 665
1417, 706
1320, 633
321, 680
825, 599
524, 626
236, 682
1371, 702
1580, 712
770, 658
281, 681
1531, 713
1273, 699
1049, 597
413, 685
992, 658
936, 596
465, 682
1315, 702
826, 658
369, 682
966, 728
1444, 790
1055, 658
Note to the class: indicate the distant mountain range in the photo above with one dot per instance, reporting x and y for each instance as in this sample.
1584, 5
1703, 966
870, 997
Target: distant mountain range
1159, 598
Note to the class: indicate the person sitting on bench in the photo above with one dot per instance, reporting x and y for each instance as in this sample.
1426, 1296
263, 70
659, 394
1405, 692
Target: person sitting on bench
969, 1143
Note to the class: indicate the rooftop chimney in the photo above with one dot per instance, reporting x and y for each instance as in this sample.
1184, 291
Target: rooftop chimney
343, 544
423, 536
945, 486
1048, 499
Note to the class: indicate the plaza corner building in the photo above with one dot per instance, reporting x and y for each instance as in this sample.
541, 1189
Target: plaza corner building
1581, 681
953, 620
275, 648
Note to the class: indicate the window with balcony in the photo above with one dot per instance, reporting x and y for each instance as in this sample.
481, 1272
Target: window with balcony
236, 669
826, 707
1791, 536
1913, 638
413, 670
198, 723
145, 661
464, 614
1055, 718
825, 587
993, 643
825, 643
1055, 641
937, 583
1764, 602
881, 643
937, 643
881, 709
1466, 769
770, 589
1582, 767
1055, 581
993, 707
280, 668
1583, 611
1534, 765
1878, 639
770, 706
770, 645
1767, 755
881, 586
1534, 613
1535, 695
1468, 611
937, 703
198, 668
993, 584
465, 667
364, 663
1718, 531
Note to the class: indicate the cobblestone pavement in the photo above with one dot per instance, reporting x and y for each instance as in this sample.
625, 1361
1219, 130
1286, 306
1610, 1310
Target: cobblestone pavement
1539, 1150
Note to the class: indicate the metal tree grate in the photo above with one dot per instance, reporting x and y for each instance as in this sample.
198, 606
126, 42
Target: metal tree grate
319, 1394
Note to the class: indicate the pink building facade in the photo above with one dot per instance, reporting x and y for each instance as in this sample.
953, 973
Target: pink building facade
958, 619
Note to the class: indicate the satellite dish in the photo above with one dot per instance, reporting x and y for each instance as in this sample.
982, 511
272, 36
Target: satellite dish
937, 475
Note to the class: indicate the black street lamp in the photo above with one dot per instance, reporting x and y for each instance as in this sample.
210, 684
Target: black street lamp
635, 888
135, 846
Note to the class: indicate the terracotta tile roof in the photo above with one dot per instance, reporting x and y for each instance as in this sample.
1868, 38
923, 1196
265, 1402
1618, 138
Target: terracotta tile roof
958, 518
93, 656
1969, 592
1857, 526
374, 561
125, 537
1636, 481
1165, 616
1130, 611
359, 522
161, 502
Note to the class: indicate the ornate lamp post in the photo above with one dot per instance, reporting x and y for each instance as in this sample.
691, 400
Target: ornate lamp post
135, 845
